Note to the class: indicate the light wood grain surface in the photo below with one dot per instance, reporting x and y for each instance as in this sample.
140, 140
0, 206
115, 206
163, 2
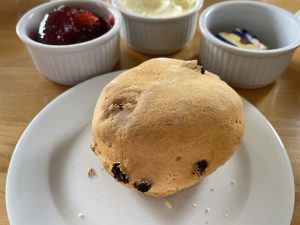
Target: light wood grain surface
24, 92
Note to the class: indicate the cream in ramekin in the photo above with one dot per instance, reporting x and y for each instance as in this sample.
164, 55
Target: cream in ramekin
158, 35
157, 8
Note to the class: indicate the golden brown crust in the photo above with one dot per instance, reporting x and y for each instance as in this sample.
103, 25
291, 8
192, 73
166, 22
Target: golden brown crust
162, 117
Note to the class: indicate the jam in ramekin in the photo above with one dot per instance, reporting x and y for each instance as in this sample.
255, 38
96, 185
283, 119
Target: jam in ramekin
67, 25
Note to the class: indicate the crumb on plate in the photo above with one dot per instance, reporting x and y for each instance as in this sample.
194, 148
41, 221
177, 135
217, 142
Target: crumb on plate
168, 204
207, 210
90, 172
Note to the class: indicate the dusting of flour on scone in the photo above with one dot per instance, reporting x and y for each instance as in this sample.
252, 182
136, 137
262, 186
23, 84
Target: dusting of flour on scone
166, 124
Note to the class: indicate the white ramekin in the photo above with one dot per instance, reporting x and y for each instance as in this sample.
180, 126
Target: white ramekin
244, 68
158, 36
71, 64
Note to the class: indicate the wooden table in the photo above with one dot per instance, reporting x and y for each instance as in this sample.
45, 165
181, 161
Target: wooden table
24, 92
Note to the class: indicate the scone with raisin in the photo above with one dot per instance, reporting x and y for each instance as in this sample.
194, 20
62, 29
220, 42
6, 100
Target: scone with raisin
165, 125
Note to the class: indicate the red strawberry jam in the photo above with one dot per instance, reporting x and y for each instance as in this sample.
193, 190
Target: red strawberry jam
66, 25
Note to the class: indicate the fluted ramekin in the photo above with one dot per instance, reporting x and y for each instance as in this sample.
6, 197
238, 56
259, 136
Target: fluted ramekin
243, 68
71, 64
158, 36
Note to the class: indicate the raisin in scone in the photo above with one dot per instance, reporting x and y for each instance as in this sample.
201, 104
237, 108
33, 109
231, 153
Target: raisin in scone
165, 125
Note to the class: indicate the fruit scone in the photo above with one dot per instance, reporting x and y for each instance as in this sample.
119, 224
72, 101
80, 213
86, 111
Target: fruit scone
166, 124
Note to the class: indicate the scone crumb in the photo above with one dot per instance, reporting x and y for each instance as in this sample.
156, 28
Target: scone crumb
212, 189
194, 205
207, 210
168, 204
232, 182
80, 215
206, 222
90, 172
226, 212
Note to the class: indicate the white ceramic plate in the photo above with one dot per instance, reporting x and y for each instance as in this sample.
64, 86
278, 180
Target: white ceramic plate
47, 182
